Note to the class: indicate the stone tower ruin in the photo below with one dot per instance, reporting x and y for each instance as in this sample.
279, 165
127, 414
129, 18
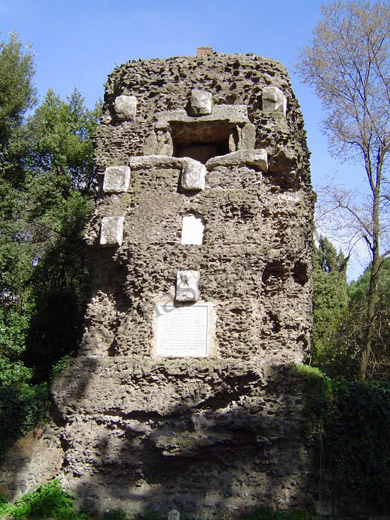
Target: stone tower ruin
184, 395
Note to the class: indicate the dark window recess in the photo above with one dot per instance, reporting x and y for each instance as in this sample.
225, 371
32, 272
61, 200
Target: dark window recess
200, 141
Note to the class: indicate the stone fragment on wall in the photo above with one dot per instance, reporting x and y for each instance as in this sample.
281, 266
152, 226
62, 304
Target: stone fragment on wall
187, 286
116, 179
125, 107
201, 103
193, 177
111, 233
254, 158
274, 100
247, 136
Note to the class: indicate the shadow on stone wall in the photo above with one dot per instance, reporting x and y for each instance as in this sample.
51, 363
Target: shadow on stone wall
183, 434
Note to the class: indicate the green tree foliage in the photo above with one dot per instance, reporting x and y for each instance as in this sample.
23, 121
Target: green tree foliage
46, 501
351, 421
47, 180
329, 302
60, 181
17, 95
339, 317
350, 333
348, 64
59, 139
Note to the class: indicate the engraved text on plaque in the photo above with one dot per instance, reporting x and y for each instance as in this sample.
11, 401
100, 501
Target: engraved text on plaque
182, 331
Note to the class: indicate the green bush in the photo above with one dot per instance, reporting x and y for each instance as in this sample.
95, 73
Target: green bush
46, 501
350, 426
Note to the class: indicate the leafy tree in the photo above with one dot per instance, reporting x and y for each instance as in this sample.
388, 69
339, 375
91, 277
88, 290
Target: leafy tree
17, 96
329, 302
339, 312
60, 181
379, 363
47, 179
59, 138
348, 64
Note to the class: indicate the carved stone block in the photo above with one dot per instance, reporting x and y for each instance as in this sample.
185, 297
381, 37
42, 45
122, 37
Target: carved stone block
111, 233
201, 103
116, 179
257, 159
193, 176
187, 286
125, 107
274, 100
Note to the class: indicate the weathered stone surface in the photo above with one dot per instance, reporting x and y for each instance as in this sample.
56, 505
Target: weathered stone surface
187, 286
214, 434
201, 103
204, 51
155, 161
274, 100
111, 233
116, 179
224, 436
125, 107
192, 230
193, 177
253, 158
247, 137
35, 458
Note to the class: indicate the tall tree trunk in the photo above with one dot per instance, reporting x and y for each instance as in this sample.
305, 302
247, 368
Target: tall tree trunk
373, 284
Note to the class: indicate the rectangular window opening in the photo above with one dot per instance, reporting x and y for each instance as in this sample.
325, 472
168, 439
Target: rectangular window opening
201, 140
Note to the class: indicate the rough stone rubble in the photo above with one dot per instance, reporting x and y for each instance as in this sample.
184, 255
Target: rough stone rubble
218, 139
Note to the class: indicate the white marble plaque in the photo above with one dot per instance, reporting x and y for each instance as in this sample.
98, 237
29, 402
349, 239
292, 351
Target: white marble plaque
182, 331
192, 230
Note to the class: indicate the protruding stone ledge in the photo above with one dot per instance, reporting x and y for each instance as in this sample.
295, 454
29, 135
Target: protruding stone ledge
273, 100
116, 179
111, 233
193, 177
125, 107
233, 114
155, 161
254, 158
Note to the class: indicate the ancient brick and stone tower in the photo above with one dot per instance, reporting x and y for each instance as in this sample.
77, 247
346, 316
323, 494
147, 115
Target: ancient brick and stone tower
183, 395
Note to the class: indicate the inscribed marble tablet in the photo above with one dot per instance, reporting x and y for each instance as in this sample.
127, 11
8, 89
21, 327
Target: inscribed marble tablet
182, 331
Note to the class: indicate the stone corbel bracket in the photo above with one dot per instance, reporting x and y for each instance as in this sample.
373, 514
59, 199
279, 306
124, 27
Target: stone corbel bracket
111, 232
274, 101
125, 107
257, 159
116, 179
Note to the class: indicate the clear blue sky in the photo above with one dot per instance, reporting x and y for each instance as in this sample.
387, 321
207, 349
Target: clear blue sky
79, 42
